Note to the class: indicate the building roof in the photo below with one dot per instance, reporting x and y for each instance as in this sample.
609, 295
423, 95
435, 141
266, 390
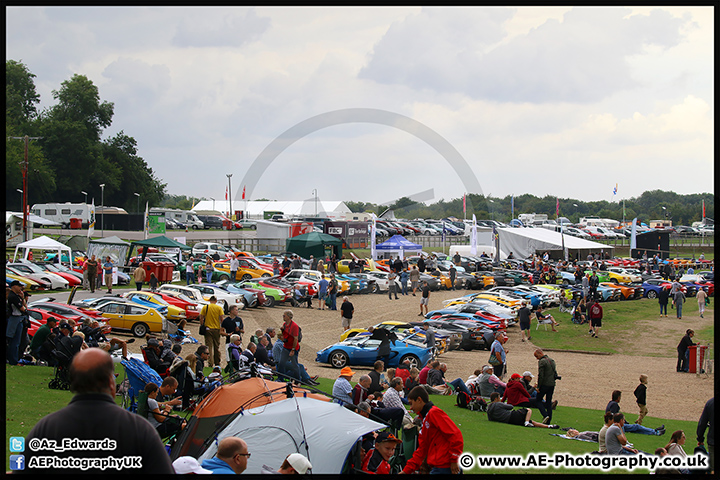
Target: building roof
289, 208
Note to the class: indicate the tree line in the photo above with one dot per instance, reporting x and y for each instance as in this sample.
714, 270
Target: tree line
70, 156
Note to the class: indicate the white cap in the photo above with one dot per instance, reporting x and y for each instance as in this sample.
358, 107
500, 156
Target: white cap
299, 463
185, 465
528, 374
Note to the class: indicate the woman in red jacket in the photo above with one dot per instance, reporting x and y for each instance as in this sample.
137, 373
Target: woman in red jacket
515, 393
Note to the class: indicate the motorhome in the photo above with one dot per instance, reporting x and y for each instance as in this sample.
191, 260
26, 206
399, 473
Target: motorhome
183, 216
63, 212
530, 218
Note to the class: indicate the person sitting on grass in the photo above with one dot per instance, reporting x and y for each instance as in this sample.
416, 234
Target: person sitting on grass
488, 382
602, 448
614, 407
504, 413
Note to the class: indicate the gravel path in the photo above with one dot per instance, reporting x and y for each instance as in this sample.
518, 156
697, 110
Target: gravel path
587, 379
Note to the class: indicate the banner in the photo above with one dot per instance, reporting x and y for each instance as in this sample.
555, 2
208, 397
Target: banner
243, 195
156, 223
464, 204
91, 223
146, 224
373, 253
473, 237
512, 206
633, 233
557, 207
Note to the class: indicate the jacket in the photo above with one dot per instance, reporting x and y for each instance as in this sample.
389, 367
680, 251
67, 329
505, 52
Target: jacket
546, 372
440, 441
217, 466
515, 393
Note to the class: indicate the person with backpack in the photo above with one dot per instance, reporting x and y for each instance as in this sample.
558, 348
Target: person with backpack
596, 315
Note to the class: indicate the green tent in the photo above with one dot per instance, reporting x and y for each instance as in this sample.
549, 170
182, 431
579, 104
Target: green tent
314, 243
158, 242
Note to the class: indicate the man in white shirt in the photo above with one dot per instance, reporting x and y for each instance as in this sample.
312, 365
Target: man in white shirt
234, 264
392, 399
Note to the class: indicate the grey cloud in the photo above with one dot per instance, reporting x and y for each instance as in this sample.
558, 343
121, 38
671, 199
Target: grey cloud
231, 29
581, 59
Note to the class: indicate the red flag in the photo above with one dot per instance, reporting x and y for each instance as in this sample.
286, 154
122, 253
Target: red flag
243, 197
703, 209
557, 207
464, 208
226, 193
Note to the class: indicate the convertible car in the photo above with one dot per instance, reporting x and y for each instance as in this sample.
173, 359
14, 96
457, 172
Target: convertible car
362, 350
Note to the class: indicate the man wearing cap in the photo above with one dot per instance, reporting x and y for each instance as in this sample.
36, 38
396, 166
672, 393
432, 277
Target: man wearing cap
440, 441
527, 377
377, 459
17, 308
42, 334
295, 463
342, 389
153, 356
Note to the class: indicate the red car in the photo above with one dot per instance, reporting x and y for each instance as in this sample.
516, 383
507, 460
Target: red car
192, 309
68, 311
72, 280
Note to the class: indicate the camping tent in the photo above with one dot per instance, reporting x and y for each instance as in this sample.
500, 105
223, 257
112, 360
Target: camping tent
324, 432
314, 243
400, 245
43, 243
223, 403
524, 242
115, 247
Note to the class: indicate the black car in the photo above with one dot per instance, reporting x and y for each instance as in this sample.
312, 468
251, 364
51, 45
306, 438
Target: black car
211, 221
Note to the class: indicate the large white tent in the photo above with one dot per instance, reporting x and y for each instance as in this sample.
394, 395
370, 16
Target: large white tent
524, 242
254, 209
42, 243
322, 431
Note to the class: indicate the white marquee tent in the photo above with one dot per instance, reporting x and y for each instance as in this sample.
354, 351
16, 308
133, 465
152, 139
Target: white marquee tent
42, 243
524, 242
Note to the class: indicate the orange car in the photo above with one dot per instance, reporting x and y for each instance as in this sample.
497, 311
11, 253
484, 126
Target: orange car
628, 292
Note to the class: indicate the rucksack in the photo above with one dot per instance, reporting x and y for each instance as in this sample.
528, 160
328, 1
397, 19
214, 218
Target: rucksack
299, 334
471, 402
462, 399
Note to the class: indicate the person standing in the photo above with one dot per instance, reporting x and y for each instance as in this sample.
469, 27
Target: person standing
414, 279
85, 280
108, 273
701, 299
17, 309
392, 286
322, 292
678, 300
291, 346
332, 292
547, 375
421, 264
585, 285
641, 398
707, 422
404, 281
663, 296
429, 338
594, 283
523, 316
452, 273
232, 324
596, 315
234, 264
346, 313
385, 338
500, 352
189, 271
92, 414
683, 352
424, 299
210, 316
208, 269
139, 277
92, 272
440, 441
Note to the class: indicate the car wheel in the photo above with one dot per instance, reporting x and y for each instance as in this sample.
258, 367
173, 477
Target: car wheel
224, 277
269, 302
140, 330
265, 275
652, 294
376, 289
614, 280
338, 359
414, 360
246, 277
226, 308
194, 227
565, 282
247, 304
253, 227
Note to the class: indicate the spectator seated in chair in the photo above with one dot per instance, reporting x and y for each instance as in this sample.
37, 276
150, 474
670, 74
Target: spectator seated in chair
95, 336
152, 352
164, 423
300, 296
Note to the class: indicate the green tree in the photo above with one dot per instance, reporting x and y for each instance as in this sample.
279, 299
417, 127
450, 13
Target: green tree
21, 98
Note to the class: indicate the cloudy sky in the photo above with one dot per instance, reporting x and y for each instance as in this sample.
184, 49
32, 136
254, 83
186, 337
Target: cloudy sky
388, 102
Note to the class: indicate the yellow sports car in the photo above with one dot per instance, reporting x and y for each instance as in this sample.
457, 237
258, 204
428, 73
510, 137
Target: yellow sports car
173, 312
140, 320
343, 266
246, 270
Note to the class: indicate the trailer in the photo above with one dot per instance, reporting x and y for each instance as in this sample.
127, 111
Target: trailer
66, 214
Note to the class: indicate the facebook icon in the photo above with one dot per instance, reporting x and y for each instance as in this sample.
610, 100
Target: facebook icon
17, 462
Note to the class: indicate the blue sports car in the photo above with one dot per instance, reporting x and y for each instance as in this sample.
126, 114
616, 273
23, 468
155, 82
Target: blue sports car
362, 350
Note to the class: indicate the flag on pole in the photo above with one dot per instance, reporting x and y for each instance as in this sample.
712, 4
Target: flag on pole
615, 189
512, 206
226, 192
243, 196
373, 231
464, 205
633, 236
703, 210
91, 227
146, 223
473, 237
557, 207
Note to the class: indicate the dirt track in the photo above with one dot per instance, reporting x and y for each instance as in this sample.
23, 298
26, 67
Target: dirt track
587, 380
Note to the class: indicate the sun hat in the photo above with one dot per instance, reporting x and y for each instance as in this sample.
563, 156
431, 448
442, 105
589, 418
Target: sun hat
185, 465
299, 463
346, 372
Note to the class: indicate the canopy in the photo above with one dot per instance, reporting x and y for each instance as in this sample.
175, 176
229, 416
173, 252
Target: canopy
314, 243
524, 242
114, 247
160, 241
324, 432
43, 243
399, 244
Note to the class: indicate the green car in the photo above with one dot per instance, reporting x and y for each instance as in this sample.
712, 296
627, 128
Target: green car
602, 276
272, 295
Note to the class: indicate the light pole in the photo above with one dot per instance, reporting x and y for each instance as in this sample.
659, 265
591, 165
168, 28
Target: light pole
138, 203
84, 193
492, 210
315, 195
211, 198
230, 212
102, 213
21, 195
576, 206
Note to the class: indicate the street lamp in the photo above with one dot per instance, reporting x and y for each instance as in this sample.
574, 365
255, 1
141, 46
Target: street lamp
576, 206
229, 175
137, 195
314, 192
102, 213
84, 193
492, 210
211, 198
21, 195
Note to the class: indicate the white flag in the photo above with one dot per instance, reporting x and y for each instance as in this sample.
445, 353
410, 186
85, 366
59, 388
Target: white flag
473, 237
633, 235
146, 226
91, 222
373, 253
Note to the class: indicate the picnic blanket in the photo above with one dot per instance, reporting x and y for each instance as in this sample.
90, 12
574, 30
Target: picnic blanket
562, 435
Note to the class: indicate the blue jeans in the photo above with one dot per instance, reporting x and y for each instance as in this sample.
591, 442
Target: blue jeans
663, 309
13, 333
333, 304
545, 407
208, 275
190, 277
678, 309
289, 364
404, 288
635, 428
458, 384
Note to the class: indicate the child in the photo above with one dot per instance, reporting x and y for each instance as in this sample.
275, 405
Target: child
153, 282
640, 396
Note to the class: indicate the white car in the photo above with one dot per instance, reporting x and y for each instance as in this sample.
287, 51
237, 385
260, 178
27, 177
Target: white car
382, 282
212, 248
576, 232
224, 298
191, 293
33, 272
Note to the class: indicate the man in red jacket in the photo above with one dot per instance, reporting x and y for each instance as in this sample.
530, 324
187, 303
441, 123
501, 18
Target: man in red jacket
440, 442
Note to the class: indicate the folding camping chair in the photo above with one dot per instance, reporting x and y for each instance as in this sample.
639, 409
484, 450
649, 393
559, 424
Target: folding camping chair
138, 374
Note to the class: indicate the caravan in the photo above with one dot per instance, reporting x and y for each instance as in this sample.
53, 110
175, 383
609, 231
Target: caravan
182, 216
63, 213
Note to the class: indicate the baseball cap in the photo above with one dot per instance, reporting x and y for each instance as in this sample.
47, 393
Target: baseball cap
386, 437
153, 342
185, 465
515, 376
346, 372
299, 463
65, 325
15, 282
528, 374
